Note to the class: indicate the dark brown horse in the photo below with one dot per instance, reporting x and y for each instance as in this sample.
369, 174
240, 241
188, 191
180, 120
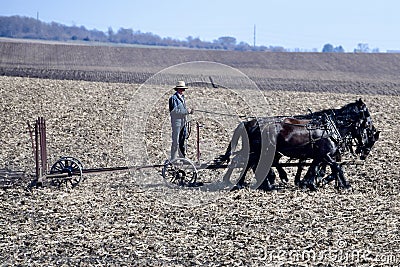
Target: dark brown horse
321, 136
356, 130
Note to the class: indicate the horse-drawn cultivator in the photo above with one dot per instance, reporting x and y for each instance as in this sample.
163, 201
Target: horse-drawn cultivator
321, 137
70, 170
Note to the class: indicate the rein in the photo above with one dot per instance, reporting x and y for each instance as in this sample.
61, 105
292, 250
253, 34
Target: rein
218, 113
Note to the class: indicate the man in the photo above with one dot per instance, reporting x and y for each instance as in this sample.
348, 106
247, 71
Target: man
178, 112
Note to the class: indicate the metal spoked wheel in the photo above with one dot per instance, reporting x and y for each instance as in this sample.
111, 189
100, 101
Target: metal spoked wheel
180, 171
70, 166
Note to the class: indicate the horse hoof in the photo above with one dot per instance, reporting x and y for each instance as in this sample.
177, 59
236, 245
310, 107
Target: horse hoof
236, 188
301, 184
312, 187
267, 188
346, 187
270, 188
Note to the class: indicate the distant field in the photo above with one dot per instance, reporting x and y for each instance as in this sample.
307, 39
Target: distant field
351, 73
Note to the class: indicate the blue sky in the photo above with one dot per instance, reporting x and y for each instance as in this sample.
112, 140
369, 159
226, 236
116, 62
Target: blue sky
292, 24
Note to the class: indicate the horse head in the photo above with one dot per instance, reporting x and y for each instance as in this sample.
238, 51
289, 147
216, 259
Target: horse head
364, 131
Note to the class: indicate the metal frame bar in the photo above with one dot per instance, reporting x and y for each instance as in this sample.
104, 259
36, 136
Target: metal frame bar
40, 148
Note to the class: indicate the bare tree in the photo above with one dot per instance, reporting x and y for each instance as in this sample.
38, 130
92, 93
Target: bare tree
362, 48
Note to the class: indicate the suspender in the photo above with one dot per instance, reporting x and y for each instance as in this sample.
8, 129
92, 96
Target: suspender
171, 104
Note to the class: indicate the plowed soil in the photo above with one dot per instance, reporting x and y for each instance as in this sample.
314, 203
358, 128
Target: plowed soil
110, 219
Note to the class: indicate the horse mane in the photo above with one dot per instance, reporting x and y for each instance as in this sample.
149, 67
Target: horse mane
343, 113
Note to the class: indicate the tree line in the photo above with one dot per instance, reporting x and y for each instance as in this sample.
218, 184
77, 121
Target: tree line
30, 28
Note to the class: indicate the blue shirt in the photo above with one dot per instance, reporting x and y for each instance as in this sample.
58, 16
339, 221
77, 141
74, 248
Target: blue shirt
177, 107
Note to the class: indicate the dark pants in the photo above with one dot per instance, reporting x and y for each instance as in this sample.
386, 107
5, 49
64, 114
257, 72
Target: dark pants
178, 147
182, 147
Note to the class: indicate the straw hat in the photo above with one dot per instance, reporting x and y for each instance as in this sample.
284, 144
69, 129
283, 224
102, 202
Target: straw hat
180, 85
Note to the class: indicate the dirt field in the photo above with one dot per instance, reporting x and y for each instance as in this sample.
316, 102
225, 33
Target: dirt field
93, 100
111, 219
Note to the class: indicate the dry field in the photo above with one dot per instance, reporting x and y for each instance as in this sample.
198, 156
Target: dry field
96, 111
112, 219
337, 72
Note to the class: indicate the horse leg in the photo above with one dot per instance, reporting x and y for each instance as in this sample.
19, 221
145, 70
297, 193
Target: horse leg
320, 174
309, 178
282, 173
240, 182
240, 132
268, 183
224, 157
298, 173
339, 174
